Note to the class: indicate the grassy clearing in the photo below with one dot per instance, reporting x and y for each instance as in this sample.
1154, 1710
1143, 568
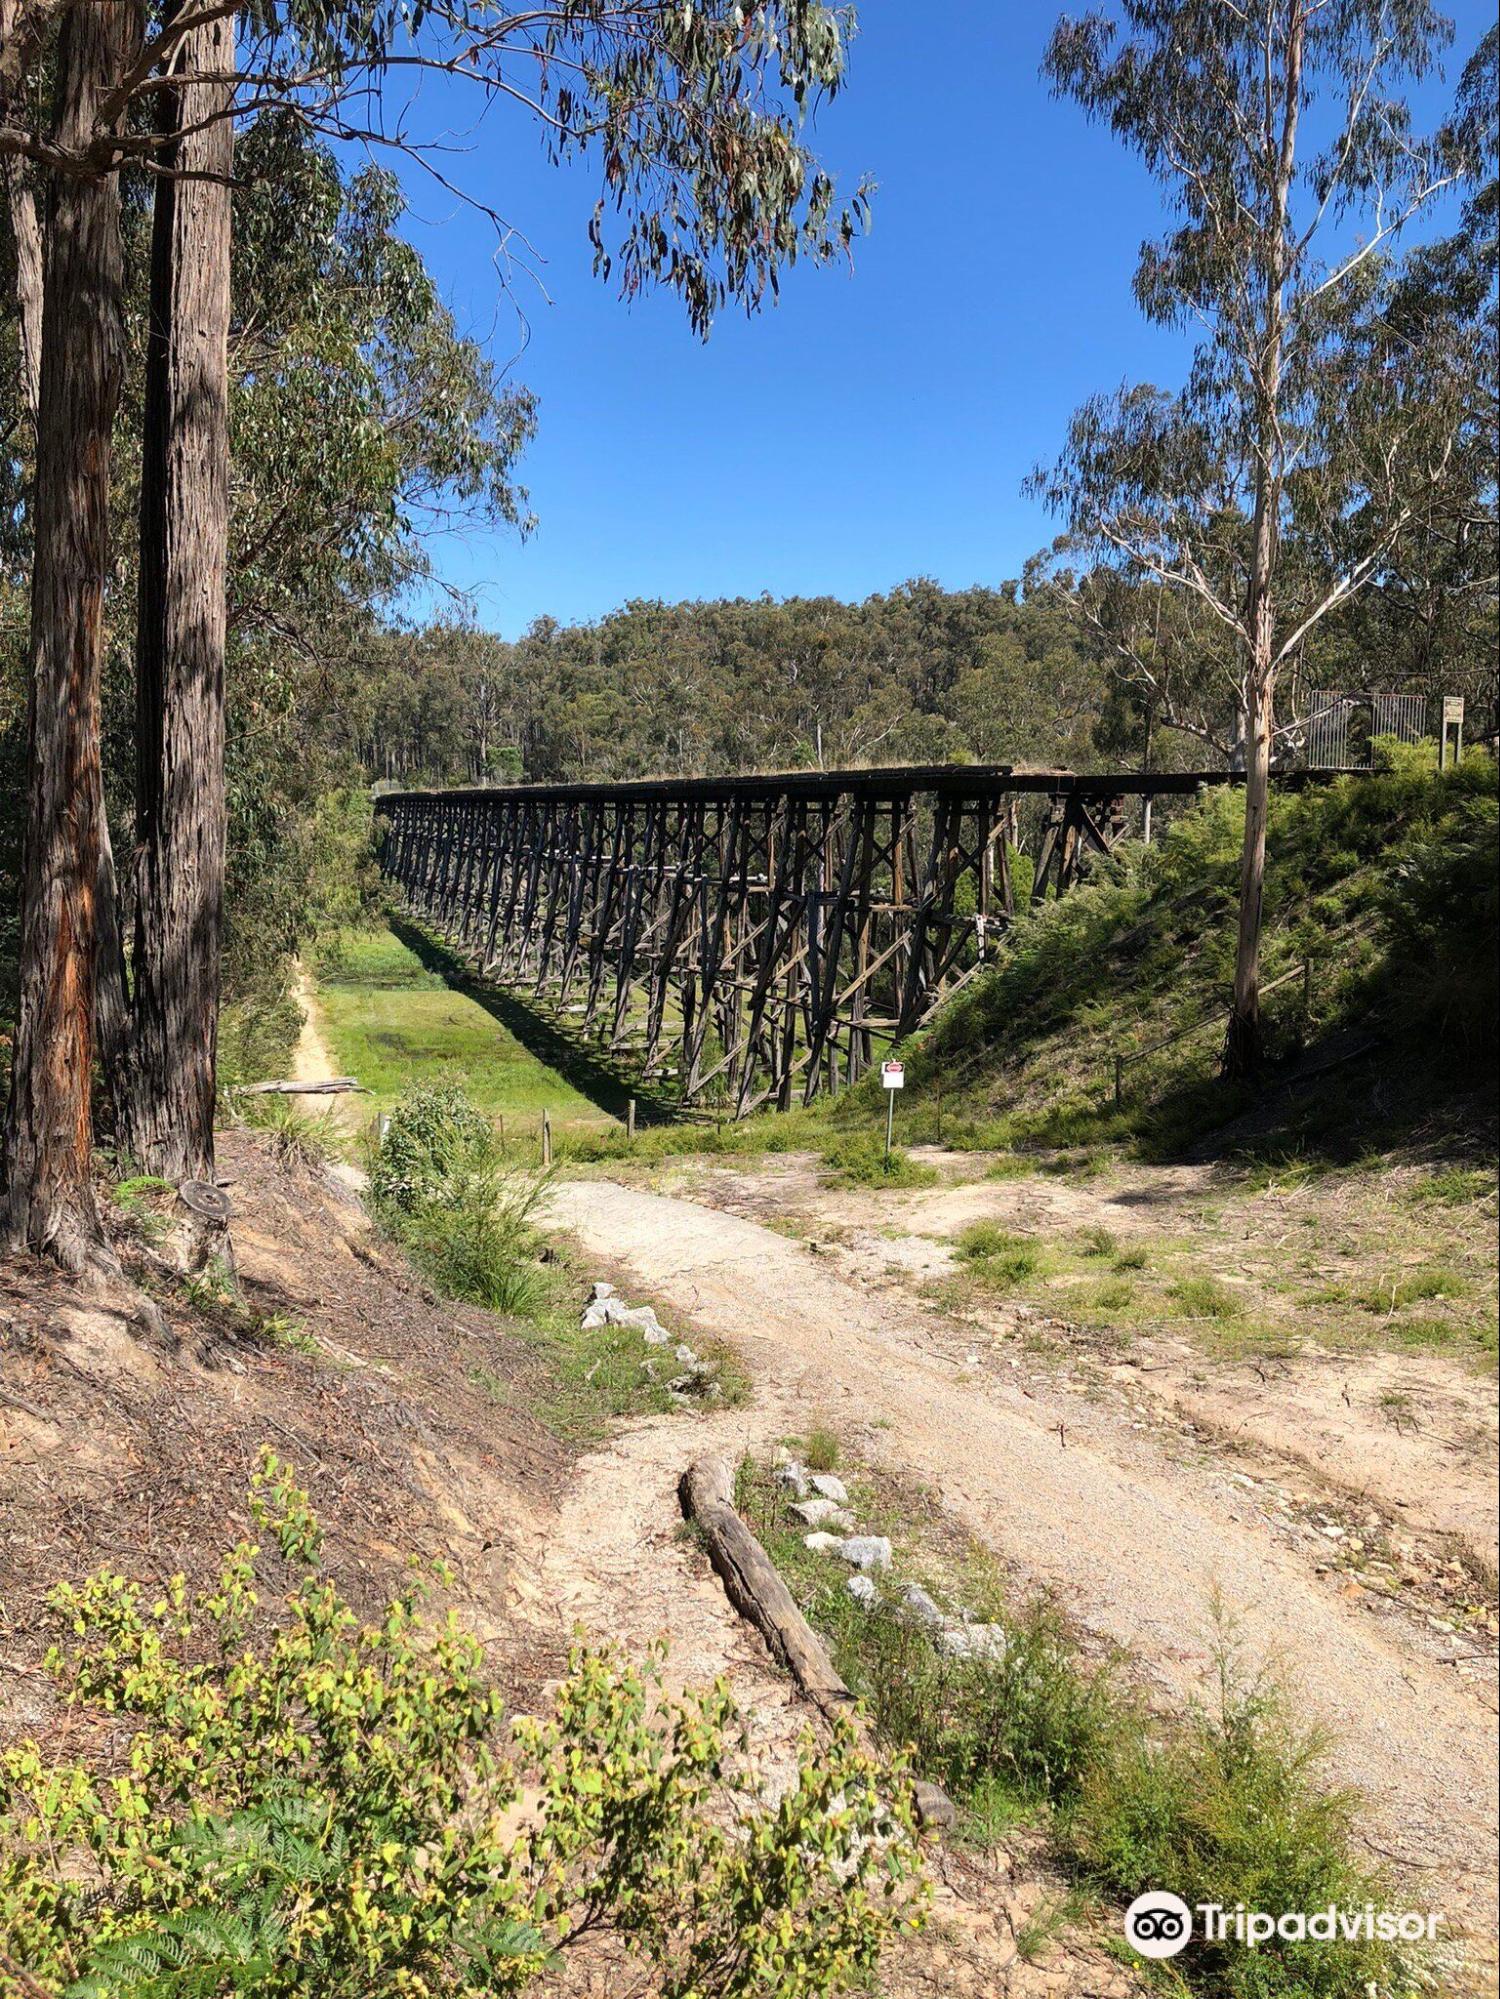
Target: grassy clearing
1225, 1804
1353, 1263
395, 1022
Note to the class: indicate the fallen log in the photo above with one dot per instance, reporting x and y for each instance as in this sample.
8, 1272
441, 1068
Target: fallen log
332, 1086
753, 1586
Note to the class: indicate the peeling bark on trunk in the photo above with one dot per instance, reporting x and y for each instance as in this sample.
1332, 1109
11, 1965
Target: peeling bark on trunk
180, 801
49, 1201
26, 233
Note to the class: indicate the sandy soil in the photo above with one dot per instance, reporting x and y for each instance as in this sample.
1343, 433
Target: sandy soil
1413, 1432
1136, 1540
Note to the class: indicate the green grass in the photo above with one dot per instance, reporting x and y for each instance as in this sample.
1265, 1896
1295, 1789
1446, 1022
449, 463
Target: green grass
861, 1160
998, 1257
393, 1022
1225, 1803
1455, 1187
1392, 1293
1205, 1298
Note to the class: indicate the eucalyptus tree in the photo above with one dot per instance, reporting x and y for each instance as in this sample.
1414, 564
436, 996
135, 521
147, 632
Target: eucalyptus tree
1312, 428
692, 113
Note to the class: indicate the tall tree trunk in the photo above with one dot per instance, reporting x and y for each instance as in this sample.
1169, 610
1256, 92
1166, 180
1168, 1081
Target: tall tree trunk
26, 234
180, 800
111, 1023
49, 1201
1243, 1042
1242, 1048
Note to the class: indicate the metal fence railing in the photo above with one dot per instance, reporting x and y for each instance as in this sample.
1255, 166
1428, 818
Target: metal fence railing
1337, 728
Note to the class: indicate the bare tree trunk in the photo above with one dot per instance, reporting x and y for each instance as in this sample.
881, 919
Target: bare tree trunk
180, 801
1242, 1046
49, 1202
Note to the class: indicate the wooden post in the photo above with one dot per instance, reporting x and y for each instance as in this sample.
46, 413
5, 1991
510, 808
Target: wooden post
546, 1138
630, 1120
1119, 1082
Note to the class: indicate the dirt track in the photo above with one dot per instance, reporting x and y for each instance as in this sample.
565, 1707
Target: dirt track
1134, 1542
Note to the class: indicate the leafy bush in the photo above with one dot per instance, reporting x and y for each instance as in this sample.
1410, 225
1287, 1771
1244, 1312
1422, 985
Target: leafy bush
324, 1809
439, 1185
433, 1137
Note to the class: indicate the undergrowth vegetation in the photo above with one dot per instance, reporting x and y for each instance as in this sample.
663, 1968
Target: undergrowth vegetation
318, 1808
465, 1218
445, 1188
1225, 1803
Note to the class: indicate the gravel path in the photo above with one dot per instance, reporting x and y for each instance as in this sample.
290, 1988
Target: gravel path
1135, 1545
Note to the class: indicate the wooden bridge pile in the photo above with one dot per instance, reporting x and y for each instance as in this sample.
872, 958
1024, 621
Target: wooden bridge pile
743, 940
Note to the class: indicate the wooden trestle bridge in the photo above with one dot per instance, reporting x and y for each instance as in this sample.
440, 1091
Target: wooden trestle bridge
741, 940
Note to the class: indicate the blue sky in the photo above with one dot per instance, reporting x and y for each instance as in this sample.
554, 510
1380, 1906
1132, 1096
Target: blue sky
875, 425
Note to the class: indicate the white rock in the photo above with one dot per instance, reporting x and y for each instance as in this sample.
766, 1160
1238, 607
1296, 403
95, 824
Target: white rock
973, 1641
685, 1353
920, 1606
600, 1290
866, 1551
862, 1590
830, 1487
639, 1315
657, 1336
823, 1544
822, 1513
594, 1316
793, 1476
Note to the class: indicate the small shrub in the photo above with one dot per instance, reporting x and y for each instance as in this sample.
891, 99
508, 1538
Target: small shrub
325, 1809
997, 1255
820, 1449
861, 1160
1100, 1242
1132, 1259
432, 1138
1114, 1294
1205, 1298
1228, 1808
440, 1187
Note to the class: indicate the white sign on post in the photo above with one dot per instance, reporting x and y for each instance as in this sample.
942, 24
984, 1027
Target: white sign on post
893, 1075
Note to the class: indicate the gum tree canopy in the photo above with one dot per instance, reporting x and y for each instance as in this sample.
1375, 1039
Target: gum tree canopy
1218, 525
692, 112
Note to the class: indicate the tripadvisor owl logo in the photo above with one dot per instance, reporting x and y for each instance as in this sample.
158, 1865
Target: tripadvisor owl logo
1158, 1924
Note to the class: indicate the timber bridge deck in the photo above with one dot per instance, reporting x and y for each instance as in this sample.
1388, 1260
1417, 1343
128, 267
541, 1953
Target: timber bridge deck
743, 940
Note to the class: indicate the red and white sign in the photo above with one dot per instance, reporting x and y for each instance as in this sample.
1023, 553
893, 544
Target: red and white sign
893, 1075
